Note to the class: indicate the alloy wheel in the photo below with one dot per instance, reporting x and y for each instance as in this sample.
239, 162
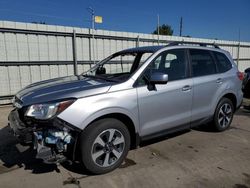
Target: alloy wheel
225, 115
108, 147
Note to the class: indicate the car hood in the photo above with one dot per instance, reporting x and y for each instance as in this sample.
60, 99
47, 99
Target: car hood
61, 88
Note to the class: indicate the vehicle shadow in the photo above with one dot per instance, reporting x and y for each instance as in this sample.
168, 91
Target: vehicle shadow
13, 155
78, 167
163, 137
75, 167
243, 112
208, 127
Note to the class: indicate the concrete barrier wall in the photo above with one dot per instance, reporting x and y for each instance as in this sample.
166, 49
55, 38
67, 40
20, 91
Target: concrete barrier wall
34, 52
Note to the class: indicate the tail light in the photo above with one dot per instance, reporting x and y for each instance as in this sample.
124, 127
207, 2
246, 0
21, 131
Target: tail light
240, 75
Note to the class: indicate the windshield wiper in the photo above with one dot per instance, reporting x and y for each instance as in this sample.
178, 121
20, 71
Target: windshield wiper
99, 77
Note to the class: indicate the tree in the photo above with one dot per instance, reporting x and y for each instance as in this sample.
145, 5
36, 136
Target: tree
164, 29
34, 22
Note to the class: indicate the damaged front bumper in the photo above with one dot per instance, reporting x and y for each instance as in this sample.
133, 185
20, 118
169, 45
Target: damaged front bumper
54, 140
52, 145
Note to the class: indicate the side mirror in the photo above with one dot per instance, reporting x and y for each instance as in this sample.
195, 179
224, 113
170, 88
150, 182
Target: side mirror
158, 78
101, 70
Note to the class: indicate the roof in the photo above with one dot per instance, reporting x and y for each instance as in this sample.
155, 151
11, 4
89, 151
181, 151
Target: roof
144, 49
153, 49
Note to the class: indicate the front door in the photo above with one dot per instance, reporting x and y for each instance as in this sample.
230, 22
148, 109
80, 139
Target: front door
169, 105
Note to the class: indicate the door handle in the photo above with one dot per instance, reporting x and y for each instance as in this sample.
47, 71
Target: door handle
186, 88
219, 81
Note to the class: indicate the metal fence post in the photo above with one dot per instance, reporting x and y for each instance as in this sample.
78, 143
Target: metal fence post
90, 47
138, 41
74, 52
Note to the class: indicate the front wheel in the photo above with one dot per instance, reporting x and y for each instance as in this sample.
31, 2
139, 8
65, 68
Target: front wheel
223, 114
104, 145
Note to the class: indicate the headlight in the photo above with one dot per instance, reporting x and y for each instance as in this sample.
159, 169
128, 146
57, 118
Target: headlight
46, 111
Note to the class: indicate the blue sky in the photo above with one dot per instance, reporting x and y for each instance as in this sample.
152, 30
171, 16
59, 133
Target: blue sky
219, 19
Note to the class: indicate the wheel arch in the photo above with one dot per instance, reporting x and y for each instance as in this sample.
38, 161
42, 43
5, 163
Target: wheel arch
226, 94
134, 137
128, 121
232, 97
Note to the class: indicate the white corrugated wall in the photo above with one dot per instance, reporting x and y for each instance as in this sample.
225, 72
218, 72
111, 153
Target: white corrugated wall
20, 47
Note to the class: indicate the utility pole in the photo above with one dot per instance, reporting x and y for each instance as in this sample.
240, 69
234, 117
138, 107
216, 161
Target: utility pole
92, 12
158, 28
181, 27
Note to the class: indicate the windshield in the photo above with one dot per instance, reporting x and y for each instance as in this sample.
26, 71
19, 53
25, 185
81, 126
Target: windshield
118, 67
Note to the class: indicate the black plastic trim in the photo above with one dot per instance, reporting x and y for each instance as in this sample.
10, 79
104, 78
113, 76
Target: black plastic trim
179, 128
201, 121
165, 132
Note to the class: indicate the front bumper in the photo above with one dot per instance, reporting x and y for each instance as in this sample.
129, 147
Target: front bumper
53, 140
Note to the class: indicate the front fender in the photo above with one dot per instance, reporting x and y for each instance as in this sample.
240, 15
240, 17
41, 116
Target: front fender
108, 111
85, 110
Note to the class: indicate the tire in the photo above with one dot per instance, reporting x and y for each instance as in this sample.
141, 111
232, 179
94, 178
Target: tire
100, 151
223, 115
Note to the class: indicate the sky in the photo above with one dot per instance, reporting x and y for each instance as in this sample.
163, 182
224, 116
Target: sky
213, 19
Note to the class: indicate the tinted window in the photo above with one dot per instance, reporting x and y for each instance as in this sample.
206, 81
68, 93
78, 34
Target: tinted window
202, 63
170, 62
223, 63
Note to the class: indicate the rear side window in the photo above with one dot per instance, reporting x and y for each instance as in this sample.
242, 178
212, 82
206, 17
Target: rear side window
223, 62
202, 63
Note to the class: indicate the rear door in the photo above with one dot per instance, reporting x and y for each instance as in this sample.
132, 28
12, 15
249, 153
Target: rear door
169, 105
206, 82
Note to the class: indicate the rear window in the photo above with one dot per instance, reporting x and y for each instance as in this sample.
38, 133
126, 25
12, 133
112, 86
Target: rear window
223, 62
202, 63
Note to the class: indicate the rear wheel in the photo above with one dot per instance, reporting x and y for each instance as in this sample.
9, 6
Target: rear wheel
104, 145
223, 114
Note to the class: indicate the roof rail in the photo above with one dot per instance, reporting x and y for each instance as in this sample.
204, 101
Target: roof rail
176, 43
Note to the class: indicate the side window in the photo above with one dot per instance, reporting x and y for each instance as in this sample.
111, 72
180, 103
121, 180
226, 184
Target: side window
172, 62
202, 63
223, 62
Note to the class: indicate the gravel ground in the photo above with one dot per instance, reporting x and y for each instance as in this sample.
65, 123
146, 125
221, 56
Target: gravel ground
196, 158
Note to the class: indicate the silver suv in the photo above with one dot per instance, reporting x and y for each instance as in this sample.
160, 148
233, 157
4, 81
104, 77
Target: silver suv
131, 96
